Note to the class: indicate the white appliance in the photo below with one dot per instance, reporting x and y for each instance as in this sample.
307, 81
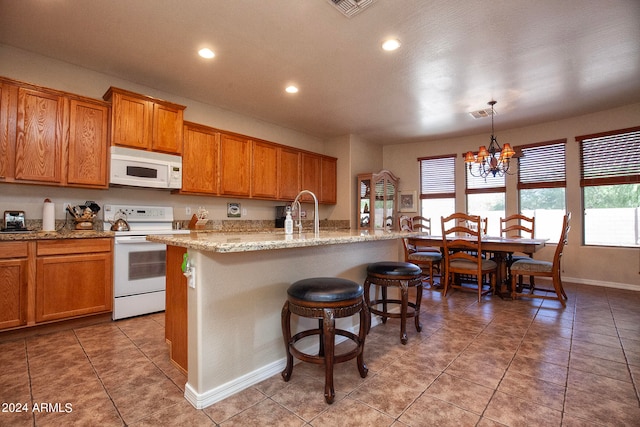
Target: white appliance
139, 168
139, 266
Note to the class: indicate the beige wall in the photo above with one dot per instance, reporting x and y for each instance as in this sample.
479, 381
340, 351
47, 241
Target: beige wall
593, 265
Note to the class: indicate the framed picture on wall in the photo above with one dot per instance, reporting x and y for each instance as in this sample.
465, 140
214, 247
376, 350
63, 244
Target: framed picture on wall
408, 201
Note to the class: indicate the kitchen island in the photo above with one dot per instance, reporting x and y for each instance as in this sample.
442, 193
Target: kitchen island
239, 288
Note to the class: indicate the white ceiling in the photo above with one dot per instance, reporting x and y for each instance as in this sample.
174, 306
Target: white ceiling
541, 60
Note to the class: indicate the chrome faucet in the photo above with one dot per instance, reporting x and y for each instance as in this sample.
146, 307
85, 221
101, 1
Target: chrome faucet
316, 218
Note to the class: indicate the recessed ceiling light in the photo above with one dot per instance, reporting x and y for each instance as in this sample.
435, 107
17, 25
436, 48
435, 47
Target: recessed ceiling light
391, 44
206, 53
292, 89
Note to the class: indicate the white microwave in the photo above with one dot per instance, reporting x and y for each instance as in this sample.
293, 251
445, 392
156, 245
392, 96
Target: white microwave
139, 168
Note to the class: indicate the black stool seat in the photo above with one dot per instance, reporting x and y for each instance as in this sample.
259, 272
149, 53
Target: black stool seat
391, 268
325, 289
325, 299
401, 275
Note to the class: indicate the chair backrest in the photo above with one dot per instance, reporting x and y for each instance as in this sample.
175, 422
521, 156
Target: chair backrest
409, 248
483, 223
422, 224
517, 226
564, 240
405, 223
461, 238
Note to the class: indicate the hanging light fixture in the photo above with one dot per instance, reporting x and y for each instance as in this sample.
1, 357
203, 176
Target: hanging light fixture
493, 160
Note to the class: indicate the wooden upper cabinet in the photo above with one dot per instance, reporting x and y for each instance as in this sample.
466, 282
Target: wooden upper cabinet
200, 159
328, 184
144, 122
288, 173
264, 174
167, 128
4, 131
88, 144
39, 141
235, 165
311, 178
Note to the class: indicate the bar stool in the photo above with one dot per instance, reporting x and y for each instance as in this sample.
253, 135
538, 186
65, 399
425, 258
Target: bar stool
402, 275
325, 299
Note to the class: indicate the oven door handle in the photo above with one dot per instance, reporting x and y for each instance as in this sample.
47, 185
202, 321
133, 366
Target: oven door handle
123, 240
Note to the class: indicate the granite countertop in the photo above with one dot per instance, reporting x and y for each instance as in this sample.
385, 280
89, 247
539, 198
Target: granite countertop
246, 242
53, 235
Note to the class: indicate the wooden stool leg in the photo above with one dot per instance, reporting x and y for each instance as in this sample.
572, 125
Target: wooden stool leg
367, 298
286, 334
384, 303
329, 331
417, 308
321, 328
362, 334
404, 291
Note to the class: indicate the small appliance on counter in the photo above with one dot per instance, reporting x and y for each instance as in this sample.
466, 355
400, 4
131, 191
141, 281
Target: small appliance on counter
14, 222
281, 215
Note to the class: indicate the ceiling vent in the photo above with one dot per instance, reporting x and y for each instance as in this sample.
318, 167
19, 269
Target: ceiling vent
480, 114
351, 7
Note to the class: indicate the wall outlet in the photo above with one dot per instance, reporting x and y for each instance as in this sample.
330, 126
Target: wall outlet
244, 211
187, 210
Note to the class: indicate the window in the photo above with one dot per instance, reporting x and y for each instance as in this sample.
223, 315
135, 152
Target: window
542, 189
486, 197
437, 188
610, 180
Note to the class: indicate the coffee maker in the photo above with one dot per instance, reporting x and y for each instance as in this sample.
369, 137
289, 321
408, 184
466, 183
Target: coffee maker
281, 214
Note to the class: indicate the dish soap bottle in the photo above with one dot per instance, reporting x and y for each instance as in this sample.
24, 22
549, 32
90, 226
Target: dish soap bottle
288, 222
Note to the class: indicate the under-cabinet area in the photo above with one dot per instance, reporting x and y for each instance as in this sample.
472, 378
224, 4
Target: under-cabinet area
50, 280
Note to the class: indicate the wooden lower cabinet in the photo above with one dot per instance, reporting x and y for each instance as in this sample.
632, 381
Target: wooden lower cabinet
176, 308
73, 278
13, 284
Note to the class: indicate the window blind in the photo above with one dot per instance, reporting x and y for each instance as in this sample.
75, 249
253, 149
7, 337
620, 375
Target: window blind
478, 184
542, 165
610, 158
437, 177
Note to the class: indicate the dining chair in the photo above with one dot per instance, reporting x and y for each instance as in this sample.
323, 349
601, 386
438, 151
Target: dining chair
405, 223
462, 243
538, 268
421, 223
427, 260
523, 227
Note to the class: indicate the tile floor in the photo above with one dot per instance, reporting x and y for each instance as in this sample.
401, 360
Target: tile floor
512, 363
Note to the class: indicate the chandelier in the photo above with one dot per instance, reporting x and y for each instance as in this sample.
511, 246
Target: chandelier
493, 160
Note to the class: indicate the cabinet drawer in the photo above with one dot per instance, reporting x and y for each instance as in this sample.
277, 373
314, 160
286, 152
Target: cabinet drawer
13, 250
73, 246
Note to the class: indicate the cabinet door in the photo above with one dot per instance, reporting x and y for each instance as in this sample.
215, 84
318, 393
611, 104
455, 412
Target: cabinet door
88, 144
167, 129
311, 178
39, 142
73, 278
328, 192
200, 160
13, 284
288, 173
264, 176
131, 121
235, 165
4, 131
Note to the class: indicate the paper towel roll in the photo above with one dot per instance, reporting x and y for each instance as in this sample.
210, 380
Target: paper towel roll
49, 216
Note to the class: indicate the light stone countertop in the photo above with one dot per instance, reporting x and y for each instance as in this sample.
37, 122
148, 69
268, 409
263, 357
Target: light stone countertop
246, 242
54, 235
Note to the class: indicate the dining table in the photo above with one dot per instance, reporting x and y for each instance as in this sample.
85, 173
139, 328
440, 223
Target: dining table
500, 249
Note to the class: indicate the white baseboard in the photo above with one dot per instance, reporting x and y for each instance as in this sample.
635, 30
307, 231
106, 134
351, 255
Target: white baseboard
209, 397
615, 285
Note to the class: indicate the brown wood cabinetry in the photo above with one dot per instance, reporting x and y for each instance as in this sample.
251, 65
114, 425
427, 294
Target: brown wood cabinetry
311, 175
73, 278
235, 165
176, 331
39, 141
144, 122
288, 173
51, 137
264, 173
200, 159
328, 177
88, 136
13, 284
